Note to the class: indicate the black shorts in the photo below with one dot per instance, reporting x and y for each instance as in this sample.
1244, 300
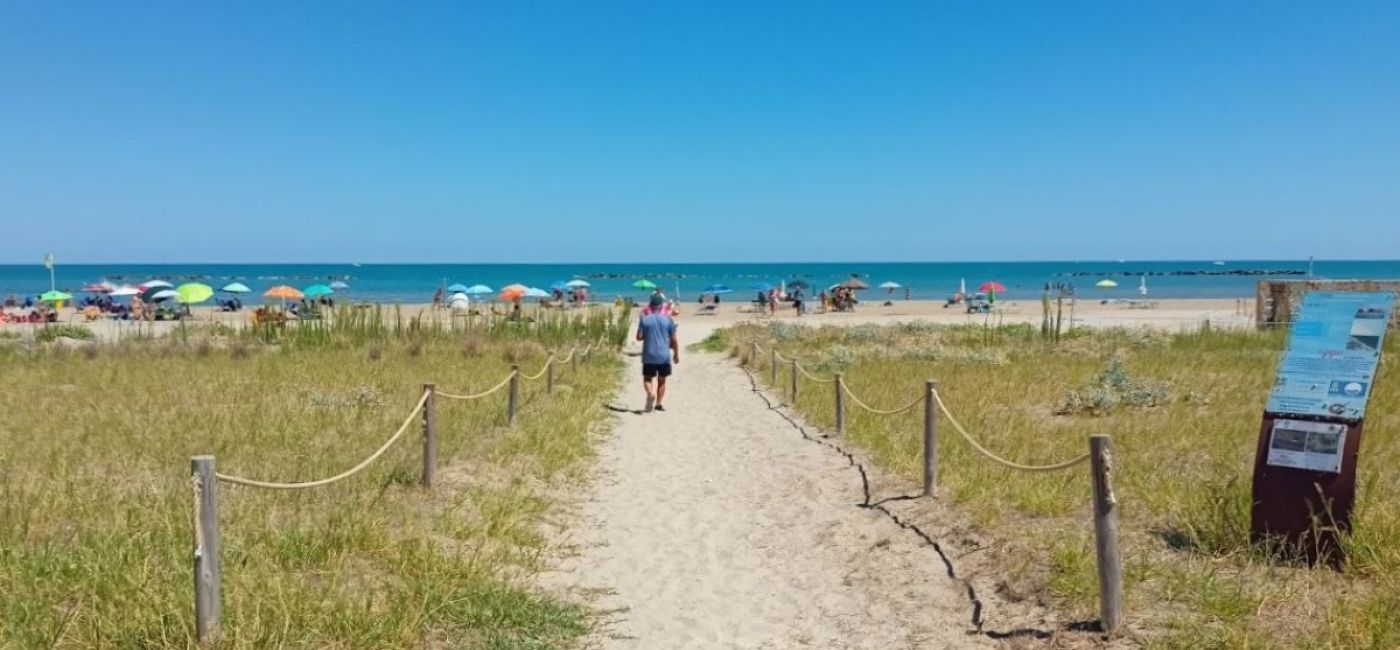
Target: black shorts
650, 370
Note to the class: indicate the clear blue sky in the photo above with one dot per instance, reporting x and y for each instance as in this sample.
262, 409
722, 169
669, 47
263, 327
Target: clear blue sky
698, 131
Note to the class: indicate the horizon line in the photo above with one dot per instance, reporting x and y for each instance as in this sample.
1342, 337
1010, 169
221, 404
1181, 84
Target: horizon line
59, 262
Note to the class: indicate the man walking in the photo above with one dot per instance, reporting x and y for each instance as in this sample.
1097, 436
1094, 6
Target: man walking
657, 332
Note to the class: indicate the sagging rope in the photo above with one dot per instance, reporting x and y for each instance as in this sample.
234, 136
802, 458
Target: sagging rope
813, 377
504, 382
847, 389
272, 485
985, 452
541, 372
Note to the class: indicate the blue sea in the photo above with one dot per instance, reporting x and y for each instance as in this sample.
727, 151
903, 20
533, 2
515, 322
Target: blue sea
415, 283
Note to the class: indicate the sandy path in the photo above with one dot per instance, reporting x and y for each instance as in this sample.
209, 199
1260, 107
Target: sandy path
714, 525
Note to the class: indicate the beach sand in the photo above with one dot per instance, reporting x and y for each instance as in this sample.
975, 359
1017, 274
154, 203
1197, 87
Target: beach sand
1170, 315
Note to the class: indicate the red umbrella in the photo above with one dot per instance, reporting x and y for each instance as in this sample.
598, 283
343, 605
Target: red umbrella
992, 286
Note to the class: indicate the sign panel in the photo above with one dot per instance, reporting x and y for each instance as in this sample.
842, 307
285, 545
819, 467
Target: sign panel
1307, 445
1333, 350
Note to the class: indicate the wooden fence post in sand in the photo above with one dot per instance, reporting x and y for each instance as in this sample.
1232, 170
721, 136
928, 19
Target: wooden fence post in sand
429, 434
840, 403
206, 549
549, 376
1106, 533
794, 381
514, 395
773, 368
930, 437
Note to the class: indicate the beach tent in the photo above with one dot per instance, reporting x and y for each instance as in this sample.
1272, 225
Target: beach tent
193, 293
576, 284
236, 287
457, 288
477, 290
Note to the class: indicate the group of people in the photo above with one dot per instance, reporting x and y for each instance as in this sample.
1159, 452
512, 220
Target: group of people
841, 299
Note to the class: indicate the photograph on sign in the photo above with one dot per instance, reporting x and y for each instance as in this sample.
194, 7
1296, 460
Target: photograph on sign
1313, 446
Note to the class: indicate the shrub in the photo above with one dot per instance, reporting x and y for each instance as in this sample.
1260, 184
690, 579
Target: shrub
1112, 389
55, 332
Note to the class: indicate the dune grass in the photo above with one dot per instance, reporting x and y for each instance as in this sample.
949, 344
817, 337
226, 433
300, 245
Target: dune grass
1184, 411
96, 498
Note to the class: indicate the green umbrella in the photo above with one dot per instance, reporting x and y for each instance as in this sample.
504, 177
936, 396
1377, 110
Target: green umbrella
193, 293
644, 284
52, 296
317, 290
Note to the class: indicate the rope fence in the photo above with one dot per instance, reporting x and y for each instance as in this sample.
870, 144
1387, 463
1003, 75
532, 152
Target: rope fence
1099, 458
204, 479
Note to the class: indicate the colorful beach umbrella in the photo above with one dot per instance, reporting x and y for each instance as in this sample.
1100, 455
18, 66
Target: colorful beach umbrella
236, 287
477, 290
514, 292
193, 293
284, 292
644, 284
317, 290
55, 295
992, 287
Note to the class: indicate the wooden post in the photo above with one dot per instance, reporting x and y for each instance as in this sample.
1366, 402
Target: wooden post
429, 434
514, 394
588, 355
549, 376
1106, 533
794, 381
840, 404
753, 353
573, 360
773, 368
930, 437
206, 550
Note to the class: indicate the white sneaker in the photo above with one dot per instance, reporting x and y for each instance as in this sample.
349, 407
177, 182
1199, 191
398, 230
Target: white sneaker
651, 403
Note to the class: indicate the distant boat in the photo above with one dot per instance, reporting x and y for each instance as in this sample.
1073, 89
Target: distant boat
355, 264
1218, 263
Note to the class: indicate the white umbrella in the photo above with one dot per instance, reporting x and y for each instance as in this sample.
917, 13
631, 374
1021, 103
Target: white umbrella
533, 292
125, 290
576, 284
891, 285
157, 283
164, 295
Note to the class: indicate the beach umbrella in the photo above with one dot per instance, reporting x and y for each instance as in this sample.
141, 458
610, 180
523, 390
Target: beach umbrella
854, 283
644, 284
55, 295
716, 289
161, 294
577, 284
193, 293
284, 292
1105, 284
156, 284
477, 290
96, 287
992, 286
889, 287
533, 292
317, 290
457, 288
798, 284
340, 286
236, 287
559, 286
514, 292
459, 301
125, 290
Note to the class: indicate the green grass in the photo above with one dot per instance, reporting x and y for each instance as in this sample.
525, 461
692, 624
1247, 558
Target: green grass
96, 500
1184, 411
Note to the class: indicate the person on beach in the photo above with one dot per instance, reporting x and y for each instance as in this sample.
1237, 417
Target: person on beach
657, 332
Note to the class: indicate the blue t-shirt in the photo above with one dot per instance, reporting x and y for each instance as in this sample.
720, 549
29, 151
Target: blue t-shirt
656, 331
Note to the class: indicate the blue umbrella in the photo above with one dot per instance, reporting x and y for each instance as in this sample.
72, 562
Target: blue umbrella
460, 288
560, 286
316, 291
476, 290
716, 289
235, 287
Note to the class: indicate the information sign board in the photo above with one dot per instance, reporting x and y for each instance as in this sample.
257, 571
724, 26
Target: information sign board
1307, 445
1333, 350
